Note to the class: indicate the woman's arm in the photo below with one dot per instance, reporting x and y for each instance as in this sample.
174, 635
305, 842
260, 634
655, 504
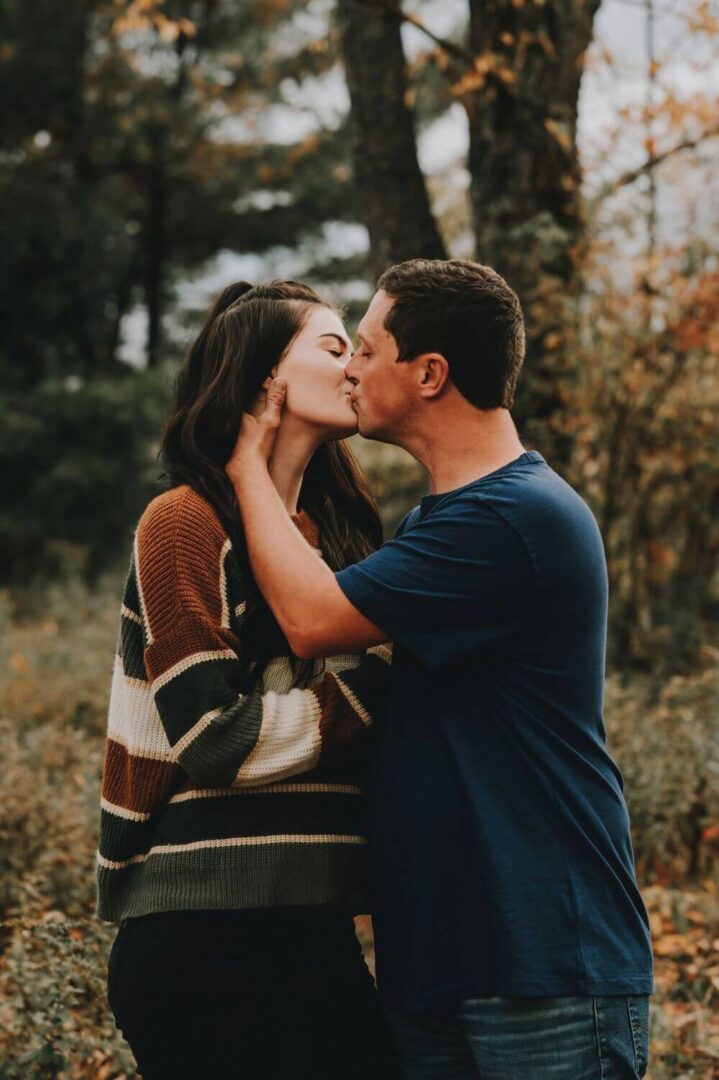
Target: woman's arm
219, 735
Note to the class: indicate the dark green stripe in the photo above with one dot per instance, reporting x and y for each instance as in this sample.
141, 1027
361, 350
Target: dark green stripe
236, 594
222, 816
121, 839
272, 875
214, 757
369, 682
349, 768
131, 596
256, 815
211, 684
131, 649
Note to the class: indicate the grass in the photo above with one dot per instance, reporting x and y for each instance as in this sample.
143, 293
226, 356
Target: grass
57, 651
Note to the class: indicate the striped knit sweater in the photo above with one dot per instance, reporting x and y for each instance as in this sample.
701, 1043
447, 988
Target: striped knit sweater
211, 797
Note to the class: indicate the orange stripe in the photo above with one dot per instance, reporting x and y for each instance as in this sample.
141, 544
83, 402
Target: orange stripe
339, 723
136, 783
179, 545
194, 636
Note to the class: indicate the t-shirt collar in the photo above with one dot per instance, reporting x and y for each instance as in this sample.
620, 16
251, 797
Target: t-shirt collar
428, 501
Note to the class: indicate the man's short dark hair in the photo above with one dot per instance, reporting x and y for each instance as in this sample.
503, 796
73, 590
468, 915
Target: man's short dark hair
468, 313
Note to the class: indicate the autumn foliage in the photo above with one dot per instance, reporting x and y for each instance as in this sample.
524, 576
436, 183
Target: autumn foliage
146, 142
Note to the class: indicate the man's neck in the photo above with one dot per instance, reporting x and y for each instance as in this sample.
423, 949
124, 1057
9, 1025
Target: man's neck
455, 453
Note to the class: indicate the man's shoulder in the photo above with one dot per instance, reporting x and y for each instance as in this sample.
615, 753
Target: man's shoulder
534, 495
407, 521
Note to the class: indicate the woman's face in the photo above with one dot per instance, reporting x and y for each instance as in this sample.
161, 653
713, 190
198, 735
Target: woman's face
314, 369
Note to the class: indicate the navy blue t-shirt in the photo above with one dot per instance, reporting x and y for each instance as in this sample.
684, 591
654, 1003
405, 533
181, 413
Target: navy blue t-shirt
501, 855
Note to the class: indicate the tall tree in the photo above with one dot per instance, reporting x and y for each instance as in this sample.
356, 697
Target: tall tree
391, 185
522, 95
518, 76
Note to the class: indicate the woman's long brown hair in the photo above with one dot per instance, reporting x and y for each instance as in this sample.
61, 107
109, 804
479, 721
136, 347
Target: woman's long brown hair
247, 331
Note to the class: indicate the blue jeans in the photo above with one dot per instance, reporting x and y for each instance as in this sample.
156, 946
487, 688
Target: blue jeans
569, 1038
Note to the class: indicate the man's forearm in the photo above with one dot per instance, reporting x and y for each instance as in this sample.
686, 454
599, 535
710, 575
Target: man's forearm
291, 577
315, 615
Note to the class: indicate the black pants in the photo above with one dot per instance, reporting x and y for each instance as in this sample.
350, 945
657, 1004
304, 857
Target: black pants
272, 994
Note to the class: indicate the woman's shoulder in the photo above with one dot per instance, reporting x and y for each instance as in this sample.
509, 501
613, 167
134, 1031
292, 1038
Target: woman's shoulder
180, 517
181, 553
181, 507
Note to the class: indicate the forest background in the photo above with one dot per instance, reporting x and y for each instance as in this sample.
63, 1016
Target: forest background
151, 151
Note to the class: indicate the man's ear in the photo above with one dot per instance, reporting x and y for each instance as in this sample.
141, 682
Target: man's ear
268, 381
434, 374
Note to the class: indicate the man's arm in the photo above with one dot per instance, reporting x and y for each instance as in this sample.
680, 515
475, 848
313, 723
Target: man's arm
315, 616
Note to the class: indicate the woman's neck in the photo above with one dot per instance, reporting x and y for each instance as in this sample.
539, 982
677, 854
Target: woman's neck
293, 450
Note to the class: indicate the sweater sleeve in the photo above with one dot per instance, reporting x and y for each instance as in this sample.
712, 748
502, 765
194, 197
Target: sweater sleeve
219, 735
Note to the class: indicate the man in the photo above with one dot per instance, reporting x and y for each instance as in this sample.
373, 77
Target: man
512, 941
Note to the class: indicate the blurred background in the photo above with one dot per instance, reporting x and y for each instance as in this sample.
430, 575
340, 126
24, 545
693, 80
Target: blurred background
151, 152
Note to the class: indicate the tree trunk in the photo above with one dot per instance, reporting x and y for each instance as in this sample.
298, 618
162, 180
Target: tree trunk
155, 253
391, 186
521, 98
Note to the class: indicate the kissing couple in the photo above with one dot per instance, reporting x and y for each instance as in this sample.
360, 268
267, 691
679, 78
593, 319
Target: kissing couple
307, 724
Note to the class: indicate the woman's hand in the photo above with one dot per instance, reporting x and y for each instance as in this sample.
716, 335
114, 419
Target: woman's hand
258, 432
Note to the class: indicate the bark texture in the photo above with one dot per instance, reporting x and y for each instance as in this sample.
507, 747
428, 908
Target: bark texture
391, 186
522, 96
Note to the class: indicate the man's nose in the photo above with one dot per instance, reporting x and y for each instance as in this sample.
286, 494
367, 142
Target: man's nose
350, 370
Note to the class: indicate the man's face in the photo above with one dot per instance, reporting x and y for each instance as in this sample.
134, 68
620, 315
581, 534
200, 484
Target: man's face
382, 389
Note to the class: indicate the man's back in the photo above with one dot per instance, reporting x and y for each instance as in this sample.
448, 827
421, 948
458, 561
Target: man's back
501, 849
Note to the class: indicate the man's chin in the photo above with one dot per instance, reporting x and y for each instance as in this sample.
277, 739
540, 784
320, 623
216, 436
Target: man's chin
364, 427
365, 430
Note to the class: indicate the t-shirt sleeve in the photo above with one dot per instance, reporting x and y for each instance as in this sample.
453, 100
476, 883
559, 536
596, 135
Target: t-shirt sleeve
458, 580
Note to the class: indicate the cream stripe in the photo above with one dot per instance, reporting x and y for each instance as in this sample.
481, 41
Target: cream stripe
384, 652
240, 609
226, 547
110, 864
133, 720
268, 789
148, 753
138, 580
354, 701
195, 730
190, 661
136, 684
234, 841
123, 812
289, 741
130, 614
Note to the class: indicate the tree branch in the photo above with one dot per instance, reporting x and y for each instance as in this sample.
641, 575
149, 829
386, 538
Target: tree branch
652, 162
450, 47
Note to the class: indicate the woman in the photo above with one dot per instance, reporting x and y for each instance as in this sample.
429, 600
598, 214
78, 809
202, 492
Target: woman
232, 843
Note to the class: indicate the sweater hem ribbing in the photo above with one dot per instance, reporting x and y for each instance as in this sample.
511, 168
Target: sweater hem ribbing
145, 891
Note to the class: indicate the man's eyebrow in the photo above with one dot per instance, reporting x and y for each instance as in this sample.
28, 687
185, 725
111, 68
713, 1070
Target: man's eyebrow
343, 341
362, 338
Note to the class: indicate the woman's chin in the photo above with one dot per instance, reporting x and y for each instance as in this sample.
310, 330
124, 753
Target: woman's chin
345, 431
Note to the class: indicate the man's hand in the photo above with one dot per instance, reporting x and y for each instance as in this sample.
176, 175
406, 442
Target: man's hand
258, 433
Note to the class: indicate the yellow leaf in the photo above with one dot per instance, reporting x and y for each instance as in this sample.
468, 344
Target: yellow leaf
19, 663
